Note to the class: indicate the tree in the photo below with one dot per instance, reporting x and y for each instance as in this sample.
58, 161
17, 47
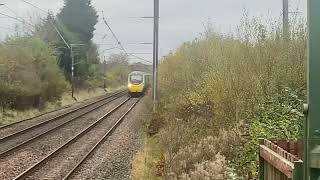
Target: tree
29, 73
86, 56
76, 23
80, 17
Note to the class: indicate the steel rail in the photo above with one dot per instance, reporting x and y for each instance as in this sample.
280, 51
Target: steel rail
101, 140
28, 119
24, 174
54, 118
16, 147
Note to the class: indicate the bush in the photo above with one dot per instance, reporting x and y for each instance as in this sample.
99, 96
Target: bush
199, 158
215, 169
29, 73
253, 81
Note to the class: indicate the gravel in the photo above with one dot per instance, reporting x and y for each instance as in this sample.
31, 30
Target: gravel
23, 124
67, 158
113, 158
14, 164
45, 127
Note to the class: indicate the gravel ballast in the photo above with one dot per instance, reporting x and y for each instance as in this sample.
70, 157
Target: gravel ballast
32, 121
113, 158
14, 164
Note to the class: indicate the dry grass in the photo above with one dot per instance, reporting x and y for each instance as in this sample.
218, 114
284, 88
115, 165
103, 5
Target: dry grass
145, 165
11, 116
253, 79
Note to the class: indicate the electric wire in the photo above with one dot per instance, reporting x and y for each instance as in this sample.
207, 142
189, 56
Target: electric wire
118, 41
15, 13
113, 34
15, 18
35, 6
51, 22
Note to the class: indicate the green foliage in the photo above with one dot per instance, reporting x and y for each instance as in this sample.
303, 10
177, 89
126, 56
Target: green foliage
80, 17
253, 81
29, 73
87, 56
278, 117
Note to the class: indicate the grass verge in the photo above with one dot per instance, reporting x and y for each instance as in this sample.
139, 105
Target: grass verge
147, 162
9, 116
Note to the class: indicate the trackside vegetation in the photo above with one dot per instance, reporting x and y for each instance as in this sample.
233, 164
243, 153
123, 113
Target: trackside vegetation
221, 92
35, 63
30, 74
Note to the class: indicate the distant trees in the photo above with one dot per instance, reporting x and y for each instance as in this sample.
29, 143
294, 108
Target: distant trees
117, 70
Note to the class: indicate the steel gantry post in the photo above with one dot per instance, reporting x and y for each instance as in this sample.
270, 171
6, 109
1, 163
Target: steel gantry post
313, 123
155, 50
285, 17
72, 67
72, 71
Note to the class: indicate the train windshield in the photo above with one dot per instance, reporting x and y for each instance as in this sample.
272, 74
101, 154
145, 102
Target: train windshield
136, 79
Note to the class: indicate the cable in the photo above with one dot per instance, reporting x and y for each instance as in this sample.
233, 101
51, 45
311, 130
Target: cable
51, 22
113, 34
17, 19
15, 13
35, 6
118, 41
17, 16
132, 55
56, 29
141, 58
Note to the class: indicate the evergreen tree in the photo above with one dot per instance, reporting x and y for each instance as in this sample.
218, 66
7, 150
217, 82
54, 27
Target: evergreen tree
80, 17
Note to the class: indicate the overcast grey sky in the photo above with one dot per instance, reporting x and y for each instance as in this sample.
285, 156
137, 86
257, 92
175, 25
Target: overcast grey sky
180, 20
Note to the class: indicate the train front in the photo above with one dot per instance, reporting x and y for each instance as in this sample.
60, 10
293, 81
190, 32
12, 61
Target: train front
136, 83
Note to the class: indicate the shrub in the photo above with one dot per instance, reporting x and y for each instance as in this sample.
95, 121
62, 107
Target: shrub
29, 73
254, 81
199, 158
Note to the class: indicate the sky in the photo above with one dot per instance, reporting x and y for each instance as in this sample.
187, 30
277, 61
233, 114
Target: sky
180, 20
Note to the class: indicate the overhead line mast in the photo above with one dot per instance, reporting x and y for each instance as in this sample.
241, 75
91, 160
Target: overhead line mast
312, 135
155, 50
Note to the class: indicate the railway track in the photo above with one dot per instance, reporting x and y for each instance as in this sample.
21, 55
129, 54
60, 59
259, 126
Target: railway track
12, 142
44, 114
66, 159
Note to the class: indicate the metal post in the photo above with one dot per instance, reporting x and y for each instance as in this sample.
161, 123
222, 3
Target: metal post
313, 139
298, 170
155, 50
286, 28
285, 17
305, 142
72, 68
72, 71
104, 72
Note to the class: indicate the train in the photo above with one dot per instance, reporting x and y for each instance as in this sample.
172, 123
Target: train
138, 83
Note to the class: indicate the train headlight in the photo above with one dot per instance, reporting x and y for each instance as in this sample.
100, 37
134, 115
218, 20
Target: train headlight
129, 85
